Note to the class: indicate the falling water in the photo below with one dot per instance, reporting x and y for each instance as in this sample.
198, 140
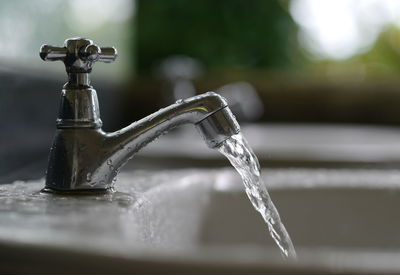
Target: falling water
246, 163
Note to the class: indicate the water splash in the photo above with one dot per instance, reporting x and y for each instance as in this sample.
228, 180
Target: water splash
246, 163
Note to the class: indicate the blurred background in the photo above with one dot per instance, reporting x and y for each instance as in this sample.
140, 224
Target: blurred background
308, 70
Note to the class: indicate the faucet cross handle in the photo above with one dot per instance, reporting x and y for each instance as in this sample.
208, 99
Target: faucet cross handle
78, 54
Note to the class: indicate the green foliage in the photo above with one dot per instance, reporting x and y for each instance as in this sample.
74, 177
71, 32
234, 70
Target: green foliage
233, 34
384, 57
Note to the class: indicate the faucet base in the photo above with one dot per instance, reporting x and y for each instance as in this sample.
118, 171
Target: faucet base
78, 192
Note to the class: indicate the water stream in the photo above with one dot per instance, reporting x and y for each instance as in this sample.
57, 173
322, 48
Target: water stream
246, 163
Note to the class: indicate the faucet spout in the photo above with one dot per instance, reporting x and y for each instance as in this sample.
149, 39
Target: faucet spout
209, 112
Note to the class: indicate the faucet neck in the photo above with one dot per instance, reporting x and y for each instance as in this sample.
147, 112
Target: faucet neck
79, 106
78, 81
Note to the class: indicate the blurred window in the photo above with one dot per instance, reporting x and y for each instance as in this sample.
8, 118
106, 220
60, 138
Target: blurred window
25, 25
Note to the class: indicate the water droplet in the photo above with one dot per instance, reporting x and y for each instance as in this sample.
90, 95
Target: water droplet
179, 101
109, 161
88, 176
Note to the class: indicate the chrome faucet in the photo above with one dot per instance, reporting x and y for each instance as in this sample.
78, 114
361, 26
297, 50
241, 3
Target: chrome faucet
83, 157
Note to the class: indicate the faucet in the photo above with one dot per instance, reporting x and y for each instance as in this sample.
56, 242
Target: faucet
84, 158
179, 72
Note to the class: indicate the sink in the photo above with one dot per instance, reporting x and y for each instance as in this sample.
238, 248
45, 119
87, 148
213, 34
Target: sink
339, 219
331, 209
197, 221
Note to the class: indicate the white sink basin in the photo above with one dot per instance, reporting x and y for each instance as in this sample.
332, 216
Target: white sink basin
346, 209
200, 221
